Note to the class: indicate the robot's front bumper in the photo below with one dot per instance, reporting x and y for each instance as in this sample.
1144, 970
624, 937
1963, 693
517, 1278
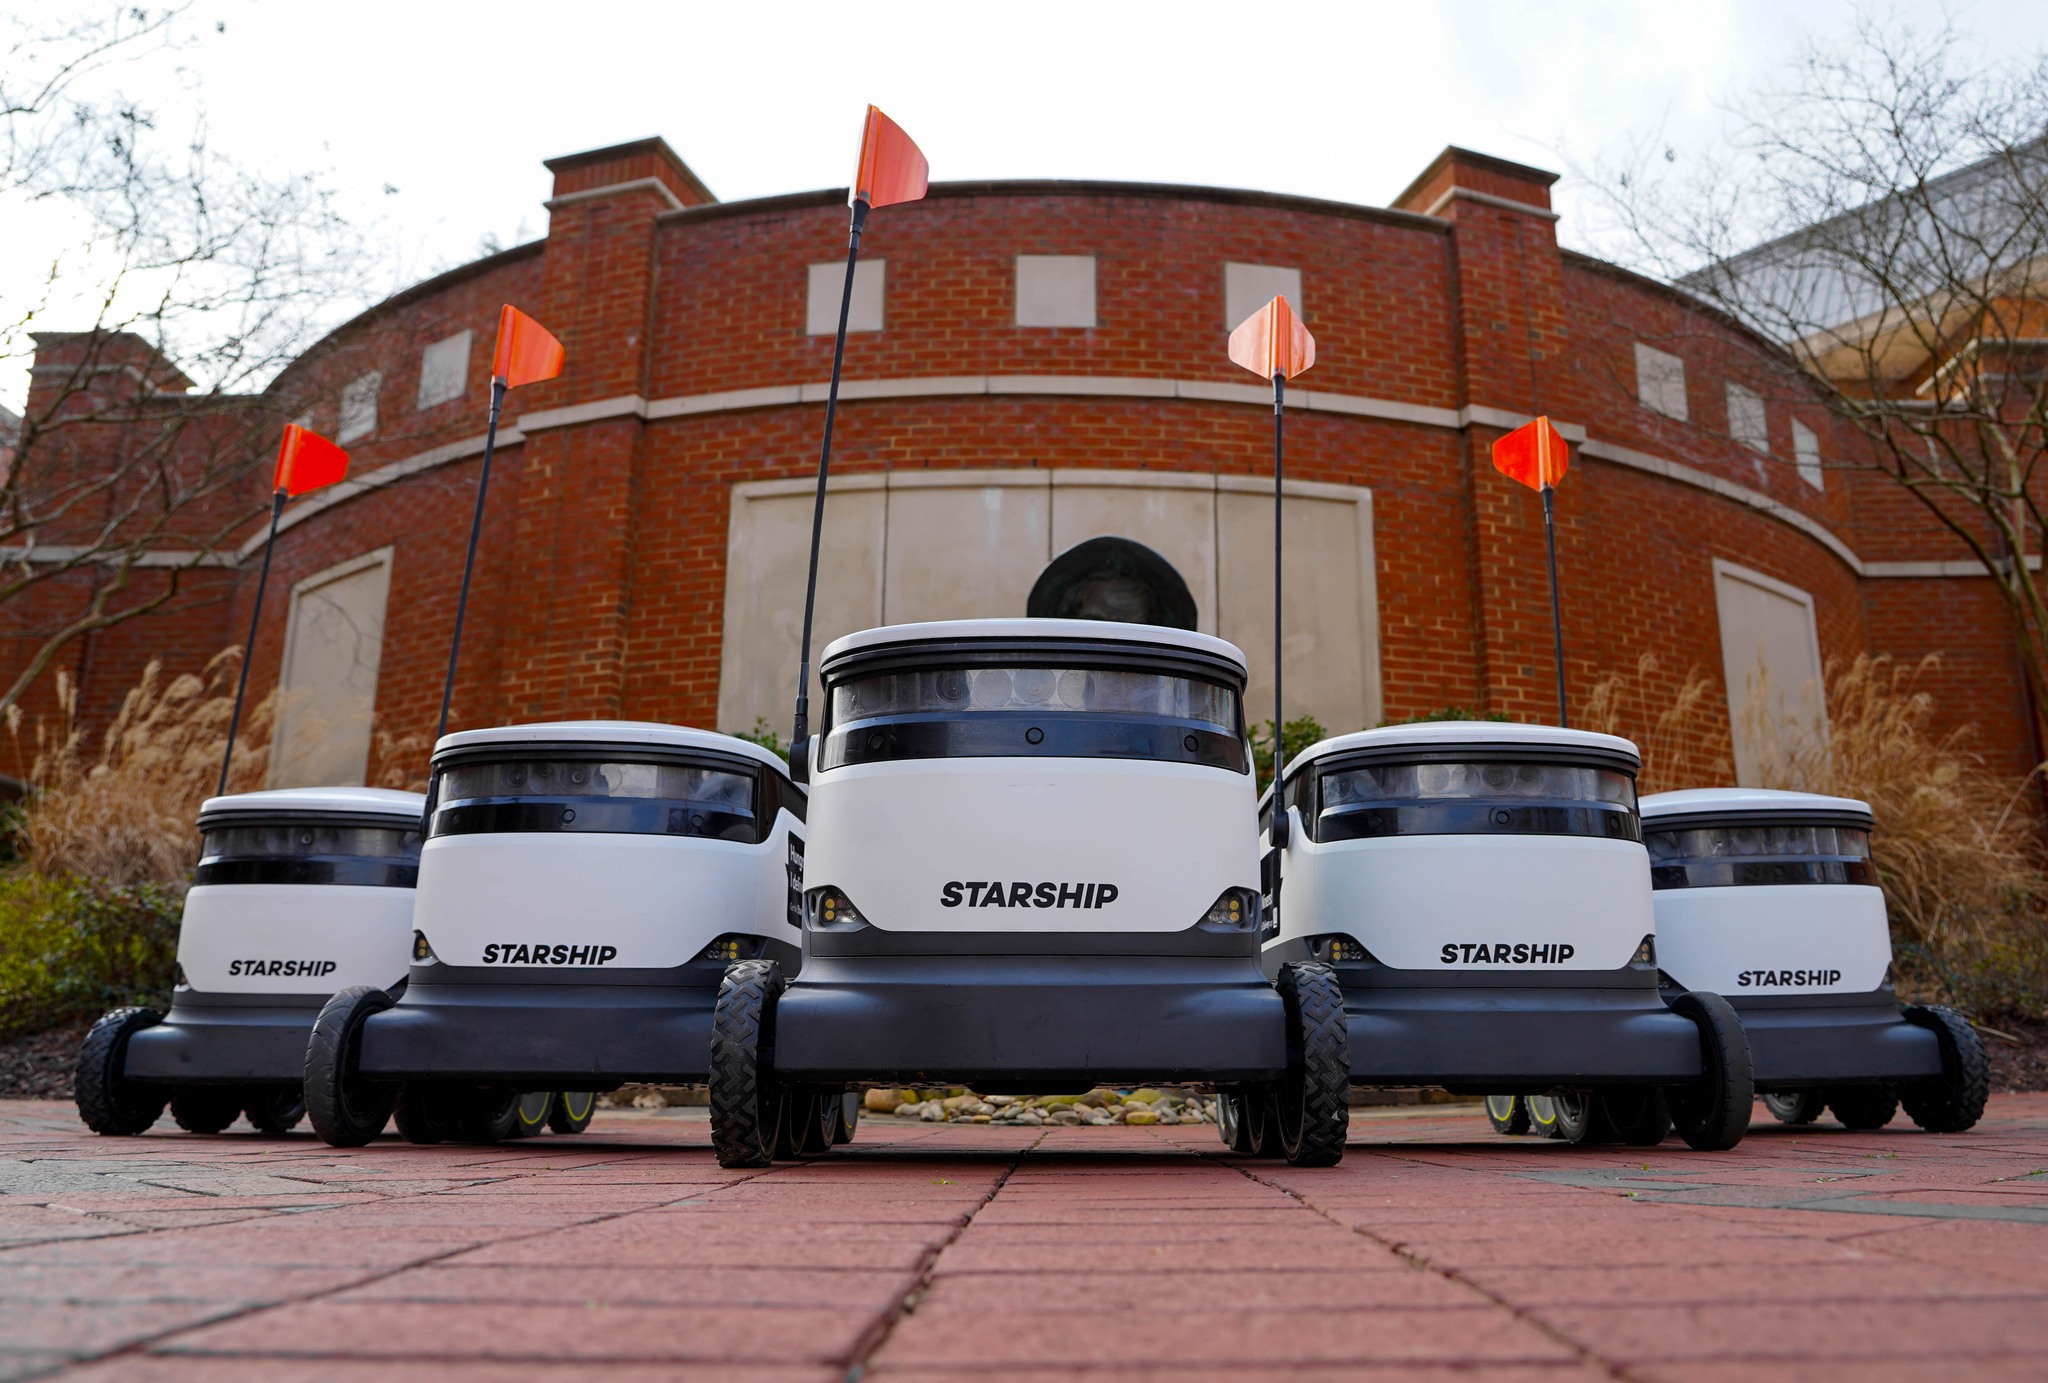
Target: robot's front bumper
1011, 1021
1804, 1040
481, 1026
227, 1039
1511, 1033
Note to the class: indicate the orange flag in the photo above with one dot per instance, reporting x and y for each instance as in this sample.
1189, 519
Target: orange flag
526, 354
1534, 454
892, 169
307, 461
1272, 341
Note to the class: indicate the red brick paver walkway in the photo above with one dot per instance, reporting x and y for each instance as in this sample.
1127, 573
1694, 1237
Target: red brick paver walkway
924, 1252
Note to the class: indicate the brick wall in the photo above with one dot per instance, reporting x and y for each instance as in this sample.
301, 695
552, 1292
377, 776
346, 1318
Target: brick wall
601, 580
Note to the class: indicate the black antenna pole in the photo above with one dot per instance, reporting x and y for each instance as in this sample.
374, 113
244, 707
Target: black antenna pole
227, 759
476, 527
1556, 610
1280, 824
800, 732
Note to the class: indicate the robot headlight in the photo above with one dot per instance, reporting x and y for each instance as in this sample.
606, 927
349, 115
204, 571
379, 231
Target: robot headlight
829, 910
731, 947
422, 953
1237, 910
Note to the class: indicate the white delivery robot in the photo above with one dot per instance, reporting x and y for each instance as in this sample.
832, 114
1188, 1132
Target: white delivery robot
1482, 891
299, 892
1033, 866
582, 888
1770, 898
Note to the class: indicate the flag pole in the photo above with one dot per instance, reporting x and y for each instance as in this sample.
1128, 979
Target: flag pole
476, 528
1564, 719
1280, 822
800, 731
227, 759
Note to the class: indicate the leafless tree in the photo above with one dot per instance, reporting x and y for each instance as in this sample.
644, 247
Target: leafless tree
1880, 213
130, 472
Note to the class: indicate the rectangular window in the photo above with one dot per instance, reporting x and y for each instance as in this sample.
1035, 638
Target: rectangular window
444, 370
1747, 423
359, 408
1806, 453
327, 690
1770, 655
1660, 382
1055, 290
1249, 287
828, 281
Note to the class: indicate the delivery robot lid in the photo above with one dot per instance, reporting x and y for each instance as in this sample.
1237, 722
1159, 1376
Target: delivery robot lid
1102, 643
1444, 740
1709, 807
353, 806
587, 736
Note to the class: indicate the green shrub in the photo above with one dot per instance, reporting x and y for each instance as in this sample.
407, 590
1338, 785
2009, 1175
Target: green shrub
1301, 732
70, 949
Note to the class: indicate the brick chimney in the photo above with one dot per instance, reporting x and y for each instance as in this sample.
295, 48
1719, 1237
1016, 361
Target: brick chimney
1460, 175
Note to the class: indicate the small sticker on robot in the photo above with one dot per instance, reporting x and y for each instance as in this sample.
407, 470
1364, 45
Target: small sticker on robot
1787, 979
511, 953
1506, 952
281, 968
993, 894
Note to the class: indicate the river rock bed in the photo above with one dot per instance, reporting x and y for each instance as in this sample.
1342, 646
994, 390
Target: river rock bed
1097, 1108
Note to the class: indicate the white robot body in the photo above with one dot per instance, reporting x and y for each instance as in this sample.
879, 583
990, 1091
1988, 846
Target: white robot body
582, 886
1033, 845
1773, 897
1033, 857
1766, 893
1454, 846
299, 892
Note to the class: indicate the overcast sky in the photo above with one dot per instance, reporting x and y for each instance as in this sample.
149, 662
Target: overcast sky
431, 119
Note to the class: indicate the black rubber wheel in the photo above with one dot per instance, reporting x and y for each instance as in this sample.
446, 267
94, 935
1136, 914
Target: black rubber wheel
1955, 1101
1543, 1115
108, 1102
573, 1110
1579, 1117
1239, 1110
1313, 1100
1863, 1108
1795, 1106
532, 1113
1712, 1114
274, 1109
347, 1110
205, 1108
486, 1116
809, 1112
746, 1104
1635, 1115
1508, 1114
425, 1113
848, 1122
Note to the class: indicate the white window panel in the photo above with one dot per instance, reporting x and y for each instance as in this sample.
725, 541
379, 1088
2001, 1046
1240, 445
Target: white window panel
1770, 655
1249, 287
1806, 453
1747, 422
327, 693
821, 310
934, 545
444, 370
1660, 382
359, 408
1055, 290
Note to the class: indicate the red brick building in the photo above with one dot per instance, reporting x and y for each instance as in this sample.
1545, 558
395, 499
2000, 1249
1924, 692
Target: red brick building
1035, 364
